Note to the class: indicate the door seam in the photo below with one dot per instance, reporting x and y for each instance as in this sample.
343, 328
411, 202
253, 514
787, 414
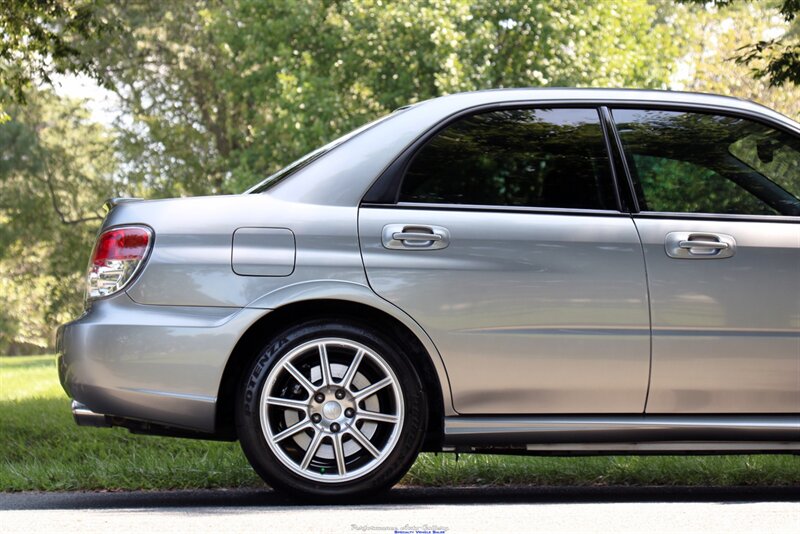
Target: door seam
649, 316
369, 285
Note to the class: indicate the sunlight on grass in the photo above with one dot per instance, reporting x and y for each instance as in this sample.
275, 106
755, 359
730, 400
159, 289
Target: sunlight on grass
29, 377
43, 449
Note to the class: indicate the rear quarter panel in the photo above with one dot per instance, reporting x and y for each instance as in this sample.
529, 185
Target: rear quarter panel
191, 265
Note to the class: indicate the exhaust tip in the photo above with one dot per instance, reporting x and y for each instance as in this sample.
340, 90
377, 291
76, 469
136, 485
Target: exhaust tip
85, 417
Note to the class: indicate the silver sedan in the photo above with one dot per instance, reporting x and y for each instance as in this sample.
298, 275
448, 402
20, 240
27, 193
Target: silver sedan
514, 271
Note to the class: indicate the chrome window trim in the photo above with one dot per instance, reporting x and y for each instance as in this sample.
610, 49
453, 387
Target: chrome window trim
491, 208
731, 217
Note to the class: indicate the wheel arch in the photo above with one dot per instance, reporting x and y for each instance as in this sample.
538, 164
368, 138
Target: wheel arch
411, 337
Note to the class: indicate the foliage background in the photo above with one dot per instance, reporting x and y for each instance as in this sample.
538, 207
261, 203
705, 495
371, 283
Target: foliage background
213, 96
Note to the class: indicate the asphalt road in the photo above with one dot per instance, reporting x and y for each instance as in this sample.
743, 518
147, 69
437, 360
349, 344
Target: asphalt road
456, 510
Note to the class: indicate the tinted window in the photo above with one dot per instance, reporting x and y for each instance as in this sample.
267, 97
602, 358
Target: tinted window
703, 163
523, 157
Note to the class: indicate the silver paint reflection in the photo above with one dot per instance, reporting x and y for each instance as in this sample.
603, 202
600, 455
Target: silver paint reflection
522, 312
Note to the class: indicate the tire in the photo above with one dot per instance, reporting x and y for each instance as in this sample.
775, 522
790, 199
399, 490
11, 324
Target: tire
364, 423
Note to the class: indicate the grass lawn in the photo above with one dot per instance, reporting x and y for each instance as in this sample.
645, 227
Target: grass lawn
41, 448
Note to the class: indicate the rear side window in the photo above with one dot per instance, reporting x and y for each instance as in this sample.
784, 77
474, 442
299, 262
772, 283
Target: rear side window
552, 158
688, 162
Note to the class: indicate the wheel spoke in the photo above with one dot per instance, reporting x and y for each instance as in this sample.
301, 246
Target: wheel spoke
367, 392
311, 451
300, 406
338, 451
292, 430
377, 416
351, 371
300, 378
324, 365
363, 441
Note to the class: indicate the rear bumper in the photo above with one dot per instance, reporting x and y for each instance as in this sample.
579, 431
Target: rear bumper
159, 364
85, 417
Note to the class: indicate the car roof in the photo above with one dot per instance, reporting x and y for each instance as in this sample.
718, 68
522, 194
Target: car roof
611, 95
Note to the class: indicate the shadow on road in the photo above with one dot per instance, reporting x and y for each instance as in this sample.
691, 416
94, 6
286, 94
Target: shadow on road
397, 496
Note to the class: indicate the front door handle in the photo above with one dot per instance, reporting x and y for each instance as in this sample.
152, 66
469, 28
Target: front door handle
415, 237
699, 245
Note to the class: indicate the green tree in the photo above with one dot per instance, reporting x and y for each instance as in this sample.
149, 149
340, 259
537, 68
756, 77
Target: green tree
707, 66
775, 59
41, 38
223, 94
56, 168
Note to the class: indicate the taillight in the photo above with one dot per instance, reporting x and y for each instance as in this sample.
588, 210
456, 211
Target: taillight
116, 257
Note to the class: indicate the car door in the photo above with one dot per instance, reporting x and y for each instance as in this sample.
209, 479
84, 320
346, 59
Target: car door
719, 199
505, 242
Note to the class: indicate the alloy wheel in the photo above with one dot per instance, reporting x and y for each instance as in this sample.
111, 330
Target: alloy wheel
331, 410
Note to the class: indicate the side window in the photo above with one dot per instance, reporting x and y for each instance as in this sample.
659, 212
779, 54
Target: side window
554, 158
689, 162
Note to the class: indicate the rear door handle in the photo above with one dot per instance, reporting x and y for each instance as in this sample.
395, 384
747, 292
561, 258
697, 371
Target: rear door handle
699, 245
415, 237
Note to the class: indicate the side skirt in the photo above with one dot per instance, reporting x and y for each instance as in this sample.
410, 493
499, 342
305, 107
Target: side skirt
625, 434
